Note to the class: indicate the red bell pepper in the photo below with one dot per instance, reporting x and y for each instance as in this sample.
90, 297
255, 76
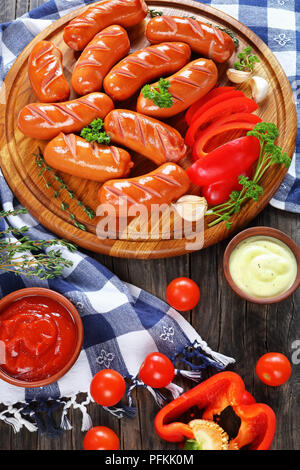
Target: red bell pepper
223, 390
214, 100
219, 192
238, 121
209, 96
226, 107
225, 162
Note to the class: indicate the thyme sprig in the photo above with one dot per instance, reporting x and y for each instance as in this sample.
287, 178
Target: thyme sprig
21, 255
270, 154
58, 185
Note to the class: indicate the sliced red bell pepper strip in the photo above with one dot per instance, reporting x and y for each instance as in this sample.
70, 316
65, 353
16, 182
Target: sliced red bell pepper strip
225, 162
230, 106
216, 100
219, 192
213, 396
211, 94
237, 121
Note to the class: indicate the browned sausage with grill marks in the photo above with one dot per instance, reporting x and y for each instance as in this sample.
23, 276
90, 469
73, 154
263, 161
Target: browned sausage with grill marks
186, 86
161, 186
89, 160
203, 38
144, 66
105, 50
80, 31
45, 121
154, 139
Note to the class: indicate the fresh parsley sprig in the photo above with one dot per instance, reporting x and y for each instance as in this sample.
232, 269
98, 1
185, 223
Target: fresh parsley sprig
94, 133
154, 13
246, 60
21, 255
159, 95
270, 154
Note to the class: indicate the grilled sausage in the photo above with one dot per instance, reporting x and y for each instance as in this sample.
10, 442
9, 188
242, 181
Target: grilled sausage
161, 186
203, 38
75, 156
45, 121
45, 72
186, 86
143, 66
81, 30
145, 135
105, 50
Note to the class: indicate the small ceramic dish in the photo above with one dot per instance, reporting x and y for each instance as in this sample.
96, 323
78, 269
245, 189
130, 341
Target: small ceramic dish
268, 232
6, 301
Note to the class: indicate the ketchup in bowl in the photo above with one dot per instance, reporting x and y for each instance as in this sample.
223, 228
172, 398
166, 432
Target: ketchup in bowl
40, 337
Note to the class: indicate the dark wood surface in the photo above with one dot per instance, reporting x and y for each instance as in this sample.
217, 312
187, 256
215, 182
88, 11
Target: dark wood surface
230, 325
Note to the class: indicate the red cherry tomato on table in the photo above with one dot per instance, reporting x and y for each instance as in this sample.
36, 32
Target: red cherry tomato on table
157, 370
183, 294
107, 387
101, 438
273, 369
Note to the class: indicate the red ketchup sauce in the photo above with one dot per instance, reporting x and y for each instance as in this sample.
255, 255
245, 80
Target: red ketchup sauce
39, 336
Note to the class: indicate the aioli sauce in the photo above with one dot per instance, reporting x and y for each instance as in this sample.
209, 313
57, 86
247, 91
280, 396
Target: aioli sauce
39, 336
263, 266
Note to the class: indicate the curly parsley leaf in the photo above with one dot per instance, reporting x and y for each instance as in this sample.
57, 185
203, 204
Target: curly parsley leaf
246, 60
270, 154
154, 13
159, 95
94, 133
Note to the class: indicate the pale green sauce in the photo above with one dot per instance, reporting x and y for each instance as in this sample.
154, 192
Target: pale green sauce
263, 266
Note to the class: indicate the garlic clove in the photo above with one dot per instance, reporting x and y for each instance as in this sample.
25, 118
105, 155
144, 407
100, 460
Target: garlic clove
191, 208
259, 87
237, 76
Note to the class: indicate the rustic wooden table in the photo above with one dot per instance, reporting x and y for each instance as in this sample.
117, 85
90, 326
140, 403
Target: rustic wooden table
229, 325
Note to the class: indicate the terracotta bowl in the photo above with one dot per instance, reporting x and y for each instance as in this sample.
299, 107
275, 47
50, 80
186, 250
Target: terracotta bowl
258, 231
31, 291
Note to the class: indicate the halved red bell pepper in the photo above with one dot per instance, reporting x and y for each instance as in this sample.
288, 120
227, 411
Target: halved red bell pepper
223, 390
209, 96
238, 121
219, 192
225, 162
226, 107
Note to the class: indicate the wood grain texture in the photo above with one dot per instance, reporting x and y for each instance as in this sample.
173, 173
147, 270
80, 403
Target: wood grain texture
19, 168
225, 321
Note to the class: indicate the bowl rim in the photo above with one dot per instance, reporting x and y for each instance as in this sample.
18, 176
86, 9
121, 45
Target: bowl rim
42, 291
269, 232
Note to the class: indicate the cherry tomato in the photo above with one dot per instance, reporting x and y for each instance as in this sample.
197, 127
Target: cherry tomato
183, 294
107, 387
157, 370
273, 369
101, 438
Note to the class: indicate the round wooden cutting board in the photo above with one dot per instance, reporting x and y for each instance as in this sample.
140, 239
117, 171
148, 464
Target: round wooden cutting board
22, 174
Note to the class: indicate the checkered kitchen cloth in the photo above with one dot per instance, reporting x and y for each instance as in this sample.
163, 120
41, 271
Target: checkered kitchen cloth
277, 22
